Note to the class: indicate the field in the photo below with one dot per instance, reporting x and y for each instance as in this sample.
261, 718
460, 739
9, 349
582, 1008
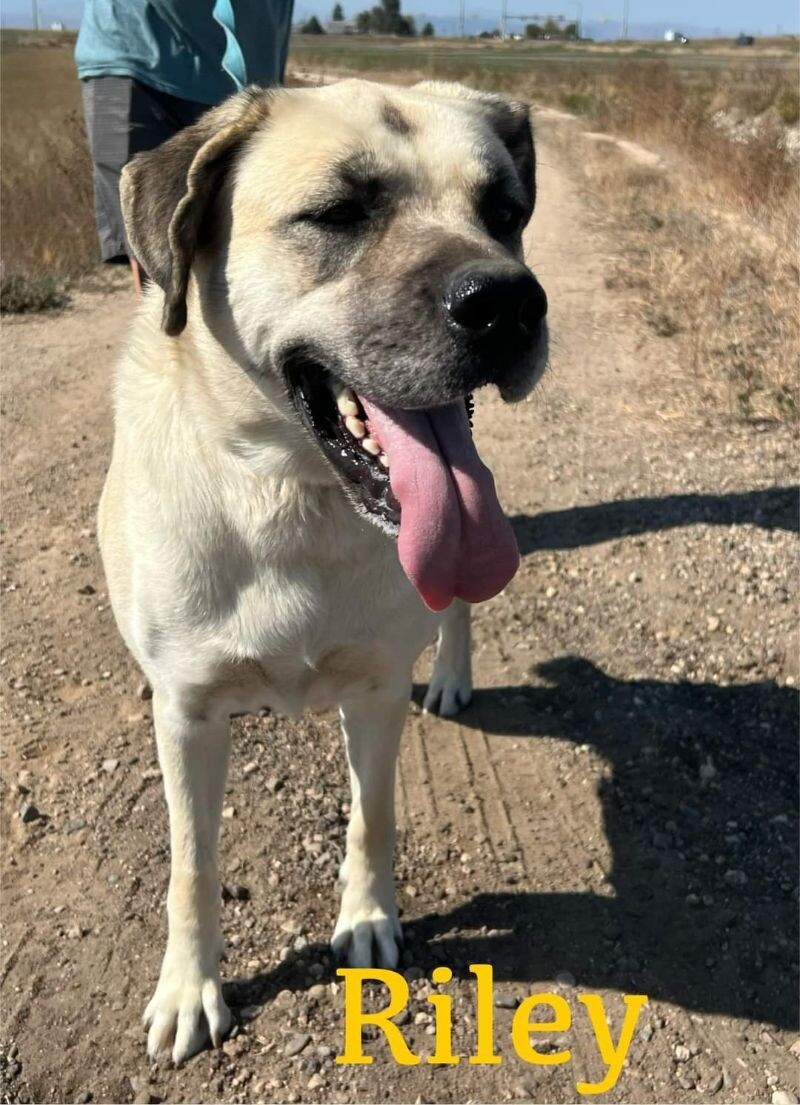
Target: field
718, 118
616, 812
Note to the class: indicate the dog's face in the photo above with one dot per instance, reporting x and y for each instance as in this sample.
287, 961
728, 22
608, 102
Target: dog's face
365, 243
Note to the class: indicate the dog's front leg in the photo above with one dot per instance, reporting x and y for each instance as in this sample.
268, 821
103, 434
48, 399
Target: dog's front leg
188, 1005
450, 688
368, 930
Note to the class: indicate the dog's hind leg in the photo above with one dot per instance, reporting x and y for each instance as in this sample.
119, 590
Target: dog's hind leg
450, 688
188, 1005
368, 930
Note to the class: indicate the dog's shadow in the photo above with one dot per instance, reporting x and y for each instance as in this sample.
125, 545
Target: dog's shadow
699, 811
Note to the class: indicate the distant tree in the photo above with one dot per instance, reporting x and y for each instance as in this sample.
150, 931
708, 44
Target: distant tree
337, 16
386, 19
551, 27
571, 30
312, 26
427, 31
533, 30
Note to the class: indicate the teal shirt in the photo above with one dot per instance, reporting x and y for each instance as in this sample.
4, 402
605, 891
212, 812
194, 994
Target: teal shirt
201, 50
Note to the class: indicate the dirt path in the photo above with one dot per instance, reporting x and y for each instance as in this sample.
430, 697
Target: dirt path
615, 813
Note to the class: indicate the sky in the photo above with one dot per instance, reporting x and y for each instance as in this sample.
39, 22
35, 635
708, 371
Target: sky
729, 16
726, 14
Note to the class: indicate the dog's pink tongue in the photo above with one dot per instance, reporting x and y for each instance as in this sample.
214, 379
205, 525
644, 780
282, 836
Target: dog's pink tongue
455, 541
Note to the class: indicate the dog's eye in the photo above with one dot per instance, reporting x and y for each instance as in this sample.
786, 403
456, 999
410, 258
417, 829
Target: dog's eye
503, 219
343, 215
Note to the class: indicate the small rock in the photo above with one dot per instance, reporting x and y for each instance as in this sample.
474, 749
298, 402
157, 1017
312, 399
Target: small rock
506, 1001
144, 692
707, 771
292, 927
274, 784
315, 1082
236, 1045
784, 1097
296, 1044
403, 1017
647, 1033
86, 1096
235, 892
75, 824
87, 589
715, 1083
248, 769
735, 878
565, 978
28, 813
682, 1053
228, 812
110, 766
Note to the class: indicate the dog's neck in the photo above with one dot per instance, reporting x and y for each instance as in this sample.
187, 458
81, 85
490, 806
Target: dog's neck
242, 410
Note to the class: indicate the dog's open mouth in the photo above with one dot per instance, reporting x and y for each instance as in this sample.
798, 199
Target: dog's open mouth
417, 473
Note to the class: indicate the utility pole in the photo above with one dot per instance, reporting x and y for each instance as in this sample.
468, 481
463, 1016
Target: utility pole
35, 15
625, 18
461, 7
503, 20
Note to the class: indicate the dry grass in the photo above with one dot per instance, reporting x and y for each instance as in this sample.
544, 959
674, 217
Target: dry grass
49, 234
713, 281
707, 245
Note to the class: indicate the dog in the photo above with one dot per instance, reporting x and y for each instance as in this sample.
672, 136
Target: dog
294, 505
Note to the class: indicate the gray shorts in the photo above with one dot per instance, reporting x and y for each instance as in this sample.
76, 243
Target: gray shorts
123, 118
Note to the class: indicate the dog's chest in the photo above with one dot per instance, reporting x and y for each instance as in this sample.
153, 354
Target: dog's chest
306, 638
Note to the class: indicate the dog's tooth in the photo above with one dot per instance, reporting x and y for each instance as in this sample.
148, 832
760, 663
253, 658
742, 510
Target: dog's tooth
384, 460
346, 402
355, 426
371, 446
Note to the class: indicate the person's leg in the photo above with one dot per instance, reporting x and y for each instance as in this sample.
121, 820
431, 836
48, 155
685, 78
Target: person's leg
125, 117
106, 105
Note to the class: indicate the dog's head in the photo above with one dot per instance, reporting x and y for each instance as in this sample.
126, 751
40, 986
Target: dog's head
364, 243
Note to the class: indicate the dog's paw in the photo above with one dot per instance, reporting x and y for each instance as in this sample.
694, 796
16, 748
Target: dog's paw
367, 935
186, 1011
449, 692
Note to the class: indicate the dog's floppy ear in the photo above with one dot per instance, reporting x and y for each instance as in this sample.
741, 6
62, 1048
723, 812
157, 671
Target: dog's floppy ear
166, 194
510, 119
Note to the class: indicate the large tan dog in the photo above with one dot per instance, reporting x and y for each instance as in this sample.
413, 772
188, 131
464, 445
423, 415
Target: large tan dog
335, 270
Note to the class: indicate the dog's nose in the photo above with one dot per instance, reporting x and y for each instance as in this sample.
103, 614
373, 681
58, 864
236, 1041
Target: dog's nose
504, 301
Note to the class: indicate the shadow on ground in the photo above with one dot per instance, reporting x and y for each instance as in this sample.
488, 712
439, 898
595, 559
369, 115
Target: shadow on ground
770, 508
702, 907
700, 815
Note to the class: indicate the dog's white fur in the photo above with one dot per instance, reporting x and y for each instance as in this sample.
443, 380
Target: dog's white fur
241, 577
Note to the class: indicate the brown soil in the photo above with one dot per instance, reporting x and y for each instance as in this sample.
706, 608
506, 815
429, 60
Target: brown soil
616, 813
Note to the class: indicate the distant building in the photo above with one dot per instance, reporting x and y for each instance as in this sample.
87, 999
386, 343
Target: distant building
57, 26
675, 36
340, 27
